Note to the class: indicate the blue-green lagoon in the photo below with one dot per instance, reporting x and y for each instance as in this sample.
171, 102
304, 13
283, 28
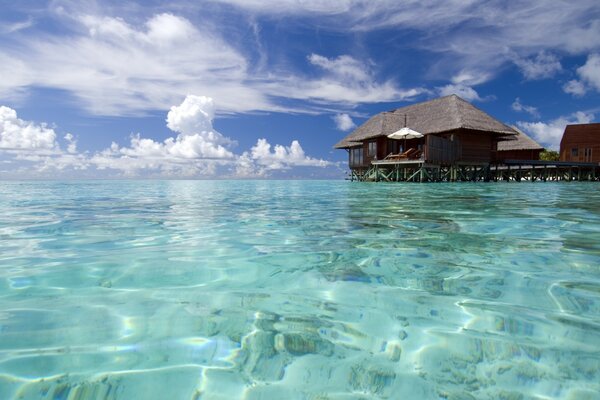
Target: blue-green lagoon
299, 290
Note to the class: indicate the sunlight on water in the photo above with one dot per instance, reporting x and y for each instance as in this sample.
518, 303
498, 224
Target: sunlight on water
299, 290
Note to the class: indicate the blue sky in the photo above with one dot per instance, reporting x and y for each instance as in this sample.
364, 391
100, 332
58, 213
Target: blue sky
259, 88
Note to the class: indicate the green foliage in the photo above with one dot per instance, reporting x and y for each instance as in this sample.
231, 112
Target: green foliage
549, 155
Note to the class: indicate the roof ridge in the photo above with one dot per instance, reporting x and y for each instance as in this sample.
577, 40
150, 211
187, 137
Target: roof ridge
454, 104
588, 123
437, 99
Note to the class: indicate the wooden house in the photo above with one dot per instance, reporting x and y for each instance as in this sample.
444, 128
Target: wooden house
520, 147
581, 143
454, 133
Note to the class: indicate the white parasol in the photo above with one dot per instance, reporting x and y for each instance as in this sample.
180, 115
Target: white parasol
405, 133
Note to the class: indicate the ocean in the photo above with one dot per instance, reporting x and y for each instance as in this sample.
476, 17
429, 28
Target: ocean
299, 290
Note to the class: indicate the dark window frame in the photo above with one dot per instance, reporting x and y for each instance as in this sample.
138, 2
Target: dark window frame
356, 156
372, 148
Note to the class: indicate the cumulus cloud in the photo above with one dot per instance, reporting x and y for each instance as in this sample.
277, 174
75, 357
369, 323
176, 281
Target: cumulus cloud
575, 87
550, 133
263, 157
343, 122
32, 149
71, 143
589, 77
197, 150
17, 134
193, 120
544, 65
520, 107
590, 71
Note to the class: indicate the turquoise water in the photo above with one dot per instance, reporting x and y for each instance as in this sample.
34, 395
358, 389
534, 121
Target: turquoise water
299, 290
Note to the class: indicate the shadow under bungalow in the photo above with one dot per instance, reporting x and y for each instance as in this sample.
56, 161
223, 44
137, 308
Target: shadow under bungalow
449, 139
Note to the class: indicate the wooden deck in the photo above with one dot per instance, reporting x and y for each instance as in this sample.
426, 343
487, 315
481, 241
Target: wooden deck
509, 171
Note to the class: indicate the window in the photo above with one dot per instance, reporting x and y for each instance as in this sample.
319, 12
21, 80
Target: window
393, 146
356, 156
575, 152
372, 149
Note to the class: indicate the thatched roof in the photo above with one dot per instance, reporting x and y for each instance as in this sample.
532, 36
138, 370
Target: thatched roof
520, 142
434, 116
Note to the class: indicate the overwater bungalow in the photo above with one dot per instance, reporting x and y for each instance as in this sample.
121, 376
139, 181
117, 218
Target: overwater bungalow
451, 139
522, 147
581, 143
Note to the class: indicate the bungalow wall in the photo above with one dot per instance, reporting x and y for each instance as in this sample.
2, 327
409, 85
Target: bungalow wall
580, 152
581, 143
381, 147
442, 151
371, 150
446, 149
476, 146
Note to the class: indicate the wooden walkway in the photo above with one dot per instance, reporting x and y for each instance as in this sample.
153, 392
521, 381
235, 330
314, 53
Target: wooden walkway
509, 171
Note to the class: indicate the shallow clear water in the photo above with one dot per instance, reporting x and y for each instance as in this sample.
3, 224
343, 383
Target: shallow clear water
299, 290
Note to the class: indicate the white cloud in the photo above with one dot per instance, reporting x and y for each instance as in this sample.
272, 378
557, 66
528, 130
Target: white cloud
117, 68
590, 71
17, 134
196, 151
71, 143
35, 146
575, 87
461, 85
463, 91
195, 114
470, 77
263, 158
345, 67
123, 65
347, 81
282, 156
14, 27
487, 34
589, 75
520, 107
550, 133
544, 65
343, 122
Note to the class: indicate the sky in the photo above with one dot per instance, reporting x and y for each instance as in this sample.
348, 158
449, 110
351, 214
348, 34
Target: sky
229, 89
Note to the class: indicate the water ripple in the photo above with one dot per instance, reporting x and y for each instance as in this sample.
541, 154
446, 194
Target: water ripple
299, 290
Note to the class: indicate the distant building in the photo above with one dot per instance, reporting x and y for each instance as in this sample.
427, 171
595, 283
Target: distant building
454, 133
581, 143
520, 147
